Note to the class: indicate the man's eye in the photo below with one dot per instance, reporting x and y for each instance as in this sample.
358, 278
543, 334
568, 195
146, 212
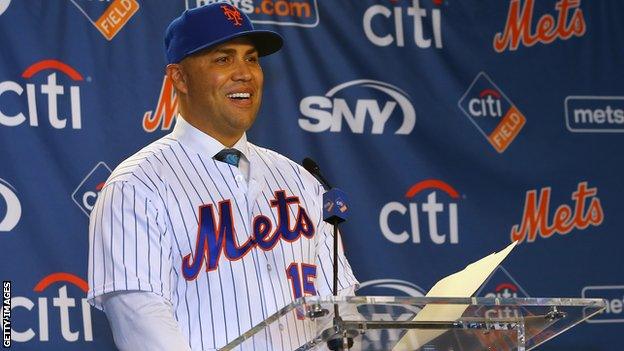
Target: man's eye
221, 59
252, 59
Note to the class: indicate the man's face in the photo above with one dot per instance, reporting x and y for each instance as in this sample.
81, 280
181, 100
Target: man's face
224, 87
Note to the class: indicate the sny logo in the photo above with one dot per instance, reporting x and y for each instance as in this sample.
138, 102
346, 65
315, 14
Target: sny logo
166, 109
393, 18
65, 305
107, 17
88, 190
301, 13
518, 26
494, 115
586, 211
327, 113
9, 220
595, 114
431, 208
51, 89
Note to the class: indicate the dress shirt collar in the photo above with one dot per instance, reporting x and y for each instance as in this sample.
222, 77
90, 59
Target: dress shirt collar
202, 142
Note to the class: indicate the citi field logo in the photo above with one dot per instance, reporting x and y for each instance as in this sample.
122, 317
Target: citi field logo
166, 109
12, 207
501, 284
109, 17
568, 23
56, 309
594, 114
4, 5
87, 192
586, 211
614, 295
365, 106
301, 13
432, 202
55, 93
386, 25
491, 112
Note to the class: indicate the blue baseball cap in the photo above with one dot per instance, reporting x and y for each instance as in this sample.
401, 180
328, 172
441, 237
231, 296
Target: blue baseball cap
210, 25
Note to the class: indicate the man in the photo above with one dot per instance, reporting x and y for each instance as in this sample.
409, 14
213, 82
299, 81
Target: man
202, 235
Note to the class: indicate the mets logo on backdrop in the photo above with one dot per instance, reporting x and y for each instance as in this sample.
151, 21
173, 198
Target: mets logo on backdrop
30, 96
301, 13
569, 22
166, 109
89, 188
108, 16
491, 111
586, 211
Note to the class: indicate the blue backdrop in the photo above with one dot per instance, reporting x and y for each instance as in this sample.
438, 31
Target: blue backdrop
455, 127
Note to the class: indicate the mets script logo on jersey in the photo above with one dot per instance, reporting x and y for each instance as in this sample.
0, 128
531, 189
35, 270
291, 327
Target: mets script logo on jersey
108, 16
166, 109
385, 25
399, 221
614, 295
10, 207
4, 4
59, 105
54, 309
302, 13
88, 190
568, 23
217, 235
586, 211
365, 106
494, 115
595, 114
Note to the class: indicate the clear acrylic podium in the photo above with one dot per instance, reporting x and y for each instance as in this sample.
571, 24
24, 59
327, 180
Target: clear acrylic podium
417, 323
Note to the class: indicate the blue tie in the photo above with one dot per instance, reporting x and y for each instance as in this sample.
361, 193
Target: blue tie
229, 156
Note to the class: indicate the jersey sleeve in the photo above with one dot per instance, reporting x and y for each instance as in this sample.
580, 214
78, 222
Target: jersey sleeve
129, 247
347, 283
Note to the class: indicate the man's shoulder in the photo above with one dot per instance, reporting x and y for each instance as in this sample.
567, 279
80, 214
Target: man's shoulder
145, 167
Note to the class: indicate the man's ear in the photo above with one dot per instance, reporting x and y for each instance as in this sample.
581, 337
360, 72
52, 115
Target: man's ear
176, 74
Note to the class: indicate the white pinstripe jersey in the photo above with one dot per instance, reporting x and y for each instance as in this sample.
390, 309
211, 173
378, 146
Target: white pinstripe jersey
170, 202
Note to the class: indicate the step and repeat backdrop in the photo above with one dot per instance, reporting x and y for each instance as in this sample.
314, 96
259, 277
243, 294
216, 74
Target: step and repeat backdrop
455, 126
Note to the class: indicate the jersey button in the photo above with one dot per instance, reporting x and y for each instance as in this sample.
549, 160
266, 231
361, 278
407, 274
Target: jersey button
269, 268
239, 178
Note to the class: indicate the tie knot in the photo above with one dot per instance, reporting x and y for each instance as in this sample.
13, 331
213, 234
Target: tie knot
230, 156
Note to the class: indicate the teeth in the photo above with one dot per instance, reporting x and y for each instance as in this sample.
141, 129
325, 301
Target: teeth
239, 95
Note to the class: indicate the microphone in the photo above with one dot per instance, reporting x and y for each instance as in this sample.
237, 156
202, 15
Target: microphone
315, 170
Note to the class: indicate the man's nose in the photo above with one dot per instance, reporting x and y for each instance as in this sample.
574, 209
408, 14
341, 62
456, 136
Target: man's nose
242, 71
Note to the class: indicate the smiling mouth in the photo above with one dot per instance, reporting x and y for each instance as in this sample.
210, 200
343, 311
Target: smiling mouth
239, 96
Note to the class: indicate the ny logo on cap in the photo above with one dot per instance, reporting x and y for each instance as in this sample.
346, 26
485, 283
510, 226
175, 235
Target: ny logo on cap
232, 14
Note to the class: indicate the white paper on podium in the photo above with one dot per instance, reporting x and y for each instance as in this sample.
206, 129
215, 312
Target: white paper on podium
461, 284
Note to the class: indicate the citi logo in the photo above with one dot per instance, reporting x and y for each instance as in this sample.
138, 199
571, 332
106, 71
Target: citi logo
86, 194
62, 305
399, 221
365, 106
300, 13
166, 109
384, 26
9, 220
614, 295
55, 93
487, 104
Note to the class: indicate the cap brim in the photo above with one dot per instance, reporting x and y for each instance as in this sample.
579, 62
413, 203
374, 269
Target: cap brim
266, 42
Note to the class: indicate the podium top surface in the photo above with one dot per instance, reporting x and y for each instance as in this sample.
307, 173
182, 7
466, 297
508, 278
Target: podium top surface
418, 323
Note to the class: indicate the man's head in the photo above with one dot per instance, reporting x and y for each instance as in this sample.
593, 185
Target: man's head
212, 53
